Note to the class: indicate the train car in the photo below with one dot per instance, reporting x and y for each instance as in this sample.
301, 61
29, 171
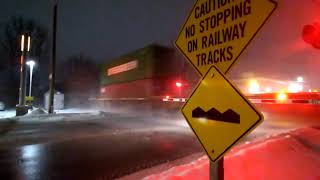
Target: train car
154, 73
160, 77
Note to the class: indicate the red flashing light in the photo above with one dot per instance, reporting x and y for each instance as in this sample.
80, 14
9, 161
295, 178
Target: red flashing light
282, 96
311, 34
178, 84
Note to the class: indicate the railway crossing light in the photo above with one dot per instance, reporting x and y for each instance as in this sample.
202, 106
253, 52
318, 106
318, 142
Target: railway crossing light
282, 96
311, 34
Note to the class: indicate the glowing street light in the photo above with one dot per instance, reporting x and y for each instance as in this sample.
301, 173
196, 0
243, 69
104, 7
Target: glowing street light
178, 84
31, 64
22, 43
254, 87
300, 79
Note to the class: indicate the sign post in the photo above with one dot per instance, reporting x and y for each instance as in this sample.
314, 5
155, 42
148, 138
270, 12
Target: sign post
213, 37
216, 170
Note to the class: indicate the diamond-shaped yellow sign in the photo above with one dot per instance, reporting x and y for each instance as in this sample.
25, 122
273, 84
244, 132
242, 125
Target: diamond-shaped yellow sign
218, 31
219, 114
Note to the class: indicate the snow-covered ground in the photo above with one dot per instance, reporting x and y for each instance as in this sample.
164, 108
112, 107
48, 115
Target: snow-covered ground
74, 114
7, 113
76, 110
292, 155
12, 112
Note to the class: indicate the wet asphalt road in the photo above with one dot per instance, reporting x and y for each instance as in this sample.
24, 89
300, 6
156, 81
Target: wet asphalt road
113, 145
102, 157
103, 148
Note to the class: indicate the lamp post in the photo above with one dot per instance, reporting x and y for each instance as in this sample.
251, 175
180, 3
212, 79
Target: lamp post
21, 108
31, 64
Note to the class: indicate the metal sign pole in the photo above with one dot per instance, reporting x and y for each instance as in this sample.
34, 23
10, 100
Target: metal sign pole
216, 170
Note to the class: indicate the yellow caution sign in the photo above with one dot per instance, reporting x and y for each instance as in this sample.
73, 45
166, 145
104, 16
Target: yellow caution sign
29, 98
219, 114
218, 31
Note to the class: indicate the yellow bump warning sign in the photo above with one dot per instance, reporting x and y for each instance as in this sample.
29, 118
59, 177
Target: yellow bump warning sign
219, 114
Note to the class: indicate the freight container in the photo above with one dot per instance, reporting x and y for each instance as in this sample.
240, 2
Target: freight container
153, 72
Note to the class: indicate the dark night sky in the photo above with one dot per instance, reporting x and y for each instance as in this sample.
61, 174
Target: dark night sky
105, 29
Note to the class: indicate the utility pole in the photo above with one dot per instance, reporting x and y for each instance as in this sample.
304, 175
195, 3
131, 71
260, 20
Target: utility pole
21, 108
52, 74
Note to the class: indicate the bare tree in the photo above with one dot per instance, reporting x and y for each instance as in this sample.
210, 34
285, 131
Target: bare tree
11, 32
79, 76
10, 44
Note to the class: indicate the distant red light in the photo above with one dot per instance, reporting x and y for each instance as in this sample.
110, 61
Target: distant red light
179, 84
102, 90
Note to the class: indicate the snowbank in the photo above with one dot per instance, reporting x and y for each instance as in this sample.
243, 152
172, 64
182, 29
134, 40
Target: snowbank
40, 115
7, 113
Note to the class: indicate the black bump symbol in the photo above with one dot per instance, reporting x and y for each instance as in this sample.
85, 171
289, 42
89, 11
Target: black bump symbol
229, 116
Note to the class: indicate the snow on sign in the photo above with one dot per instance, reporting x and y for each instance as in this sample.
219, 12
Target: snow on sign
219, 114
218, 31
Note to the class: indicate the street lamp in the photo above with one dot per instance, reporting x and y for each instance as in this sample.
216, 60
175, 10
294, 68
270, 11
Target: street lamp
31, 64
254, 87
300, 79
